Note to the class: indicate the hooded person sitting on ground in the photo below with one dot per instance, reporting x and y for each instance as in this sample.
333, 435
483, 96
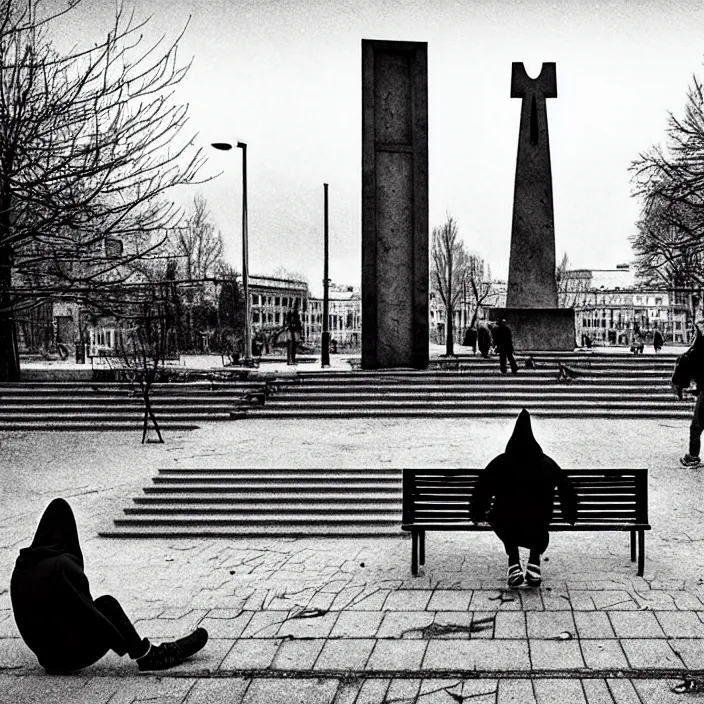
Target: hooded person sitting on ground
58, 618
522, 482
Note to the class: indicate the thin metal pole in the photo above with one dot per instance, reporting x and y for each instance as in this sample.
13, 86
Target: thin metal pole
245, 261
325, 349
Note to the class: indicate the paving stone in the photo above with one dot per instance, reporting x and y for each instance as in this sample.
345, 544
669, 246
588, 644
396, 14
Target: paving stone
603, 654
531, 599
407, 600
226, 627
660, 692
291, 691
397, 655
357, 624
373, 691
647, 653
161, 690
494, 600
597, 691
347, 691
297, 654
690, 650
404, 624
251, 654
480, 691
477, 655
454, 620
686, 601
593, 624
14, 653
318, 627
549, 624
635, 624
655, 600
403, 691
516, 692
555, 654
228, 690
450, 600
345, 654
510, 624
438, 691
264, 624
372, 602
623, 691
680, 624
558, 691
611, 599
582, 601
557, 599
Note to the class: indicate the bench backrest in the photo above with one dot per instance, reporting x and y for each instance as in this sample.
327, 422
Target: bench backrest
604, 495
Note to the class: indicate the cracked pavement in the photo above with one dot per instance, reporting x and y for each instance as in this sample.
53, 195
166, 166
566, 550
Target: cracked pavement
342, 620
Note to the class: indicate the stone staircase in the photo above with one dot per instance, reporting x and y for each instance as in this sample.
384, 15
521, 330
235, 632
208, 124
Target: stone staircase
266, 503
73, 405
614, 386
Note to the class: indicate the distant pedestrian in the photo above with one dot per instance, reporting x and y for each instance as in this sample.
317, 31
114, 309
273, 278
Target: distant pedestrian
690, 368
483, 339
657, 341
470, 339
58, 618
522, 481
503, 341
294, 329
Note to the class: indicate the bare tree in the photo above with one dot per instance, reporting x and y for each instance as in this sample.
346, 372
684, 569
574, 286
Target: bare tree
669, 182
198, 249
90, 142
480, 284
449, 272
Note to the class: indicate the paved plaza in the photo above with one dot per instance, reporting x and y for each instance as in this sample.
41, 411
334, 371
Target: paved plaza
343, 620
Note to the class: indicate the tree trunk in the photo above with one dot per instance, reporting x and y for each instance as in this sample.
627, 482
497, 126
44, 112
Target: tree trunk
9, 354
449, 342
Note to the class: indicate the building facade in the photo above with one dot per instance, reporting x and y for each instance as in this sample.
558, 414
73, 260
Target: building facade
344, 319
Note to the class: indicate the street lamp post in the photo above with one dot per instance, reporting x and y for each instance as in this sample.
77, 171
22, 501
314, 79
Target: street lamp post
325, 340
225, 146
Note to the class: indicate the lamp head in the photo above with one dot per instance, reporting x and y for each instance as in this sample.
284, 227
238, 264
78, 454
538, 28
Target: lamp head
222, 146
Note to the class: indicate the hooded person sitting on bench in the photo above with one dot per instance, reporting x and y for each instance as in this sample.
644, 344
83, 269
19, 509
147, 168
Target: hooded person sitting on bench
522, 482
58, 618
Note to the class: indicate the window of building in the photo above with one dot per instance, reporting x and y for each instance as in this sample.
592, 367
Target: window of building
277, 301
277, 318
658, 301
284, 301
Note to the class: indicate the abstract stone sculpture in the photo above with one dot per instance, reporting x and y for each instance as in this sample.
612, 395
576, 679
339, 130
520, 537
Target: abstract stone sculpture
531, 275
394, 204
531, 297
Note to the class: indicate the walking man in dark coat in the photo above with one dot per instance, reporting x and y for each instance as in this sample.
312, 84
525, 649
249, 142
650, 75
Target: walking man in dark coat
690, 367
657, 341
58, 618
293, 333
522, 483
503, 341
483, 339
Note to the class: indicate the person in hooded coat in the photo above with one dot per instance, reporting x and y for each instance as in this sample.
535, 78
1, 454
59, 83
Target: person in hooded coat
58, 618
522, 483
483, 339
690, 367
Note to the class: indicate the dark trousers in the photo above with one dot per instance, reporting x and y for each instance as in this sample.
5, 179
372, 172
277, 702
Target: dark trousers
696, 427
127, 641
507, 355
291, 348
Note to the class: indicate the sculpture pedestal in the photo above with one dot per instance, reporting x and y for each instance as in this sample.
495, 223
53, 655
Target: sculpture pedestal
539, 329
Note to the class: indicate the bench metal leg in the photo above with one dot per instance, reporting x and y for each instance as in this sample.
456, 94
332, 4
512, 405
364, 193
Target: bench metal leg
641, 552
633, 546
414, 553
422, 547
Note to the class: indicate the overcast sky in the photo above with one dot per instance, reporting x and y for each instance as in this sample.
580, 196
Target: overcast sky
285, 77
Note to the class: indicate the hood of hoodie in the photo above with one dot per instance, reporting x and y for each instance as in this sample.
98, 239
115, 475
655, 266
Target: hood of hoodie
56, 535
522, 441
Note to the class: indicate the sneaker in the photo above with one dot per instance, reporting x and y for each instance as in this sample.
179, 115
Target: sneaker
690, 461
533, 577
514, 576
167, 655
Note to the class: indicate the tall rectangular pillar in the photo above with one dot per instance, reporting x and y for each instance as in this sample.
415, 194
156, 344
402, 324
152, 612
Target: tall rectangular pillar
395, 329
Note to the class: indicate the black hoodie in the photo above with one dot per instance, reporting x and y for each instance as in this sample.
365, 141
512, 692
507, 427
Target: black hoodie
51, 598
522, 481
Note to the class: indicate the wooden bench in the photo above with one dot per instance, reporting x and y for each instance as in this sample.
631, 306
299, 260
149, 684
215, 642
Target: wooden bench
609, 499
